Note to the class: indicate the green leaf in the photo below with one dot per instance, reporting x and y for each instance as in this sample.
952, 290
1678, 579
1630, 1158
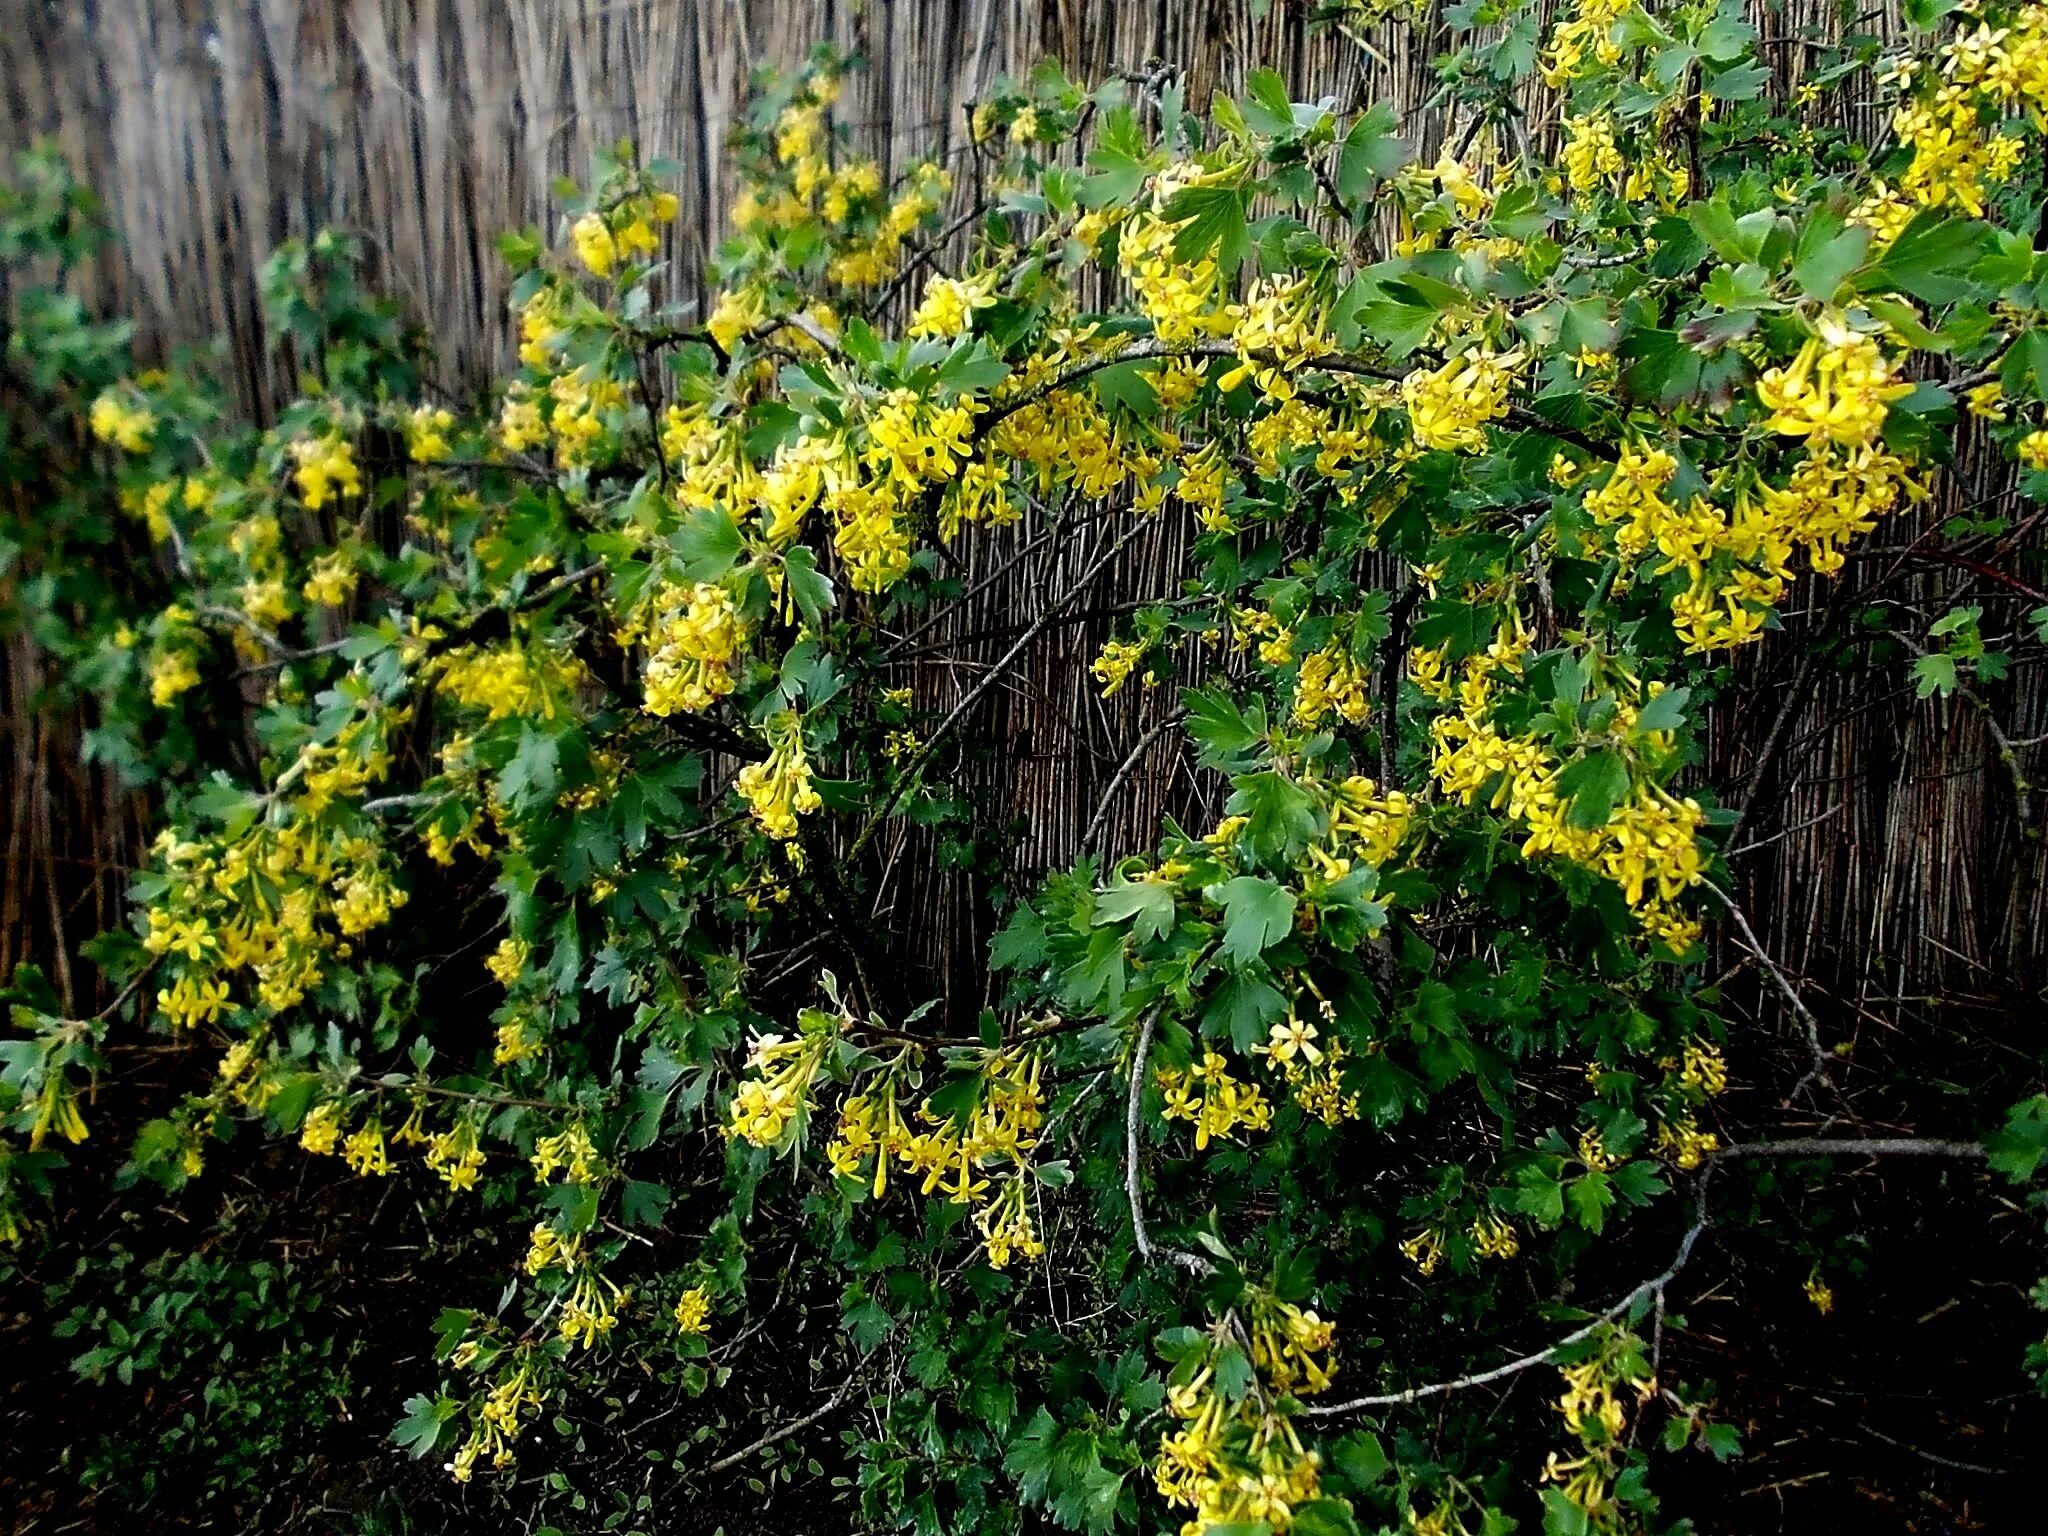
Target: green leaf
1322, 1517
2025, 369
642, 1204
2017, 1149
425, 1419
1118, 160
1372, 152
1361, 1458
1590, 1197
1150, 903
529, 779
1561, 1517
1932, 674
1219, 729
1257, 914
1594, 784
811, 590
1244, 1008
1280, 817
221, 799
1723, 1440
1665, 712
868, 1323
1266, 106
709, 544
1829, 249
1932, 257
1215, 225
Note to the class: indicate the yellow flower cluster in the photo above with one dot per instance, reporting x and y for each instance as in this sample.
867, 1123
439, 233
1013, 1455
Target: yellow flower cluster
1594, 1411
569, 1151
1277, 330
426, 433
456, 1155
1739, 564
779, 789
1649, 844
1366, 824
1313, 1073
540, 326
365, 1152
1242, 1464
325, 467
126, 425
1492, 1236
1333, 681
1182, 299
1683, 1142
498, 1423
622, 232
1115, 663
1966, 127
949, 305
584, 409
693, 1311
174, 659
1209, 1098
1449, 407
507, 681
331, 580
954, 1156
1591, 157
1587, 31
1835, 391
277, 899
876, 259
693, 636
592, 1310
772, 1101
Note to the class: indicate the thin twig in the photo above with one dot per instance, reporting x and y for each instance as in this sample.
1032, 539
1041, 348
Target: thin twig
1149, 1251
795, 1426
1822, 1061
916, 766
1123, 772
1655, 1286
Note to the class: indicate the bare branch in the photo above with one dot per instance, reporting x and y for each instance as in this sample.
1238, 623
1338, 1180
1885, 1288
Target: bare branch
794, 1426
1123, 772
1808, 1024
1149, 1251
1654, 1287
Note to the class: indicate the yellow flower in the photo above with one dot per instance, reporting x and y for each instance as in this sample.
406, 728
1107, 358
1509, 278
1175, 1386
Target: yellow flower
693, 645
364, 1151
1113, 667
1449, 407
321, 1128
426, 433
331, 580
949, 305
326, 467
595, 247
779, 789
1836, 390
1819, 1293
693, 1310
128, 427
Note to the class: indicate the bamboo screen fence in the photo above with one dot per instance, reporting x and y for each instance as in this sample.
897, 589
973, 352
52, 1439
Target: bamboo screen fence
1891, 856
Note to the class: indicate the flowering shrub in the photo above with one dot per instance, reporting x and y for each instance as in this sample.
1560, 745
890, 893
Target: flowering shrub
1488, 465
